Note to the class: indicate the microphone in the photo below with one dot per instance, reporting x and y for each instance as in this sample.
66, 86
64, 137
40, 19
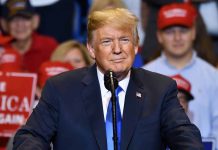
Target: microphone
111, 83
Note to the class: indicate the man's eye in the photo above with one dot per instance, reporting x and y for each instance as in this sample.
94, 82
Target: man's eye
106, 42
184, 30
169, 31
124, 40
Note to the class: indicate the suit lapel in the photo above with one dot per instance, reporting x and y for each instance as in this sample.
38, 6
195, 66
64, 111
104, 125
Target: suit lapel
93, 105
132, 109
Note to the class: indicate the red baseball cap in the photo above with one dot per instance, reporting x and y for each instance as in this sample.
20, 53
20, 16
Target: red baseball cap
10, 60
183, 85
176, 14
51, 68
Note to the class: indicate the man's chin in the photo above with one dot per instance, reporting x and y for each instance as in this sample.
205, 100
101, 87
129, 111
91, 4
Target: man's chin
120, 74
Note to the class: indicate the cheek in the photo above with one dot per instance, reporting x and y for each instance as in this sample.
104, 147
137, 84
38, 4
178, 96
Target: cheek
189, 42
12, 28
28, 28
167, 44
102, 58
102, 53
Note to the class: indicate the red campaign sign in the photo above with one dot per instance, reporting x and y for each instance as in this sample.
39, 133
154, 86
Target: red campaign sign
17, 92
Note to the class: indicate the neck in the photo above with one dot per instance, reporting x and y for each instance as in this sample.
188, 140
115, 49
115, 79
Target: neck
179, 62
23, 45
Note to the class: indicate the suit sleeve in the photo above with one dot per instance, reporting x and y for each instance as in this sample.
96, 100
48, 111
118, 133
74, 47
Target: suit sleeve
176, 129
41, 125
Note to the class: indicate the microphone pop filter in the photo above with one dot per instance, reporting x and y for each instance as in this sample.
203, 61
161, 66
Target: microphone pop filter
110, 77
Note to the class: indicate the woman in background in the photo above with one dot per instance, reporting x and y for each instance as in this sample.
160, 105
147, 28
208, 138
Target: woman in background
72, 52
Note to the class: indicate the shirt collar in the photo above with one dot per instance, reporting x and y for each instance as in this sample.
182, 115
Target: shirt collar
190, 63
123, 83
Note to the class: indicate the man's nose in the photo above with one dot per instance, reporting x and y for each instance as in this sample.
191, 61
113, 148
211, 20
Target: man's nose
117, 47
177, 35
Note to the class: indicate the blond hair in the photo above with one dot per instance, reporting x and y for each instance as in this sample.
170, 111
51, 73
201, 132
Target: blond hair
60, 52
105, 4
118, 17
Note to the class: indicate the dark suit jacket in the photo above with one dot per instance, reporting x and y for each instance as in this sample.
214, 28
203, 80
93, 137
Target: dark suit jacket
70, 114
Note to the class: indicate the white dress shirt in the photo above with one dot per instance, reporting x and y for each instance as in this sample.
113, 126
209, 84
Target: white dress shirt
106, 95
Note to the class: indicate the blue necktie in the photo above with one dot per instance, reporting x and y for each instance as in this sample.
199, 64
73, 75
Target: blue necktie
109, 122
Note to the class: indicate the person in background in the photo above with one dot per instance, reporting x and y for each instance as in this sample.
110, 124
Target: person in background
149, 10
47, 70
72, 112
72, 52
184, 92
21, 21
151, 47
67, 56
176, 33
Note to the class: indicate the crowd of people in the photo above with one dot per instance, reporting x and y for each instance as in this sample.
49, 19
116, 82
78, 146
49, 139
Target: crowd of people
175, 40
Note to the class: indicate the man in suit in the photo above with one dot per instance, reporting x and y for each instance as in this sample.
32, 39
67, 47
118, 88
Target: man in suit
72, 112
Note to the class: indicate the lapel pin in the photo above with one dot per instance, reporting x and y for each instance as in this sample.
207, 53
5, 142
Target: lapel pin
138, 95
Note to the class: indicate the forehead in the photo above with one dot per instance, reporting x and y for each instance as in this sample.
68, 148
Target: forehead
20, 17
176, 27
110, 31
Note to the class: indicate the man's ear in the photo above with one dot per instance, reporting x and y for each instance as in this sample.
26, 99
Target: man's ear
36, 21
136, 46
91, 50
4, 25
136, 49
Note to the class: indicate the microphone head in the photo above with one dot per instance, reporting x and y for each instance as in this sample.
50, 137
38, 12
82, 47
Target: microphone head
110, 77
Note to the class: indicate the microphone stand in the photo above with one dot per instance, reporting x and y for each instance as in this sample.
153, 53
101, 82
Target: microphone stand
114, 111
111, 83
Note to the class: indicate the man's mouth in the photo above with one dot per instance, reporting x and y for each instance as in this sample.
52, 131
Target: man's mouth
118, 60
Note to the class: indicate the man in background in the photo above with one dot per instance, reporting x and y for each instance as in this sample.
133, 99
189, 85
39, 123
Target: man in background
176, 34
21, 21
184, 91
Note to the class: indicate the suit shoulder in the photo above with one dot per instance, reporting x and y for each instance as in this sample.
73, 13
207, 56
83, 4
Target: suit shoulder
151, 79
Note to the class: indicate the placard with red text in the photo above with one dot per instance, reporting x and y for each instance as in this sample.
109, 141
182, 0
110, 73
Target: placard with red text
17, 91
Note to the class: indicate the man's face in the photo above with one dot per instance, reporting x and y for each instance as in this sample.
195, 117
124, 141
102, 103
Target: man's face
113, 49
177, 40
20, 28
